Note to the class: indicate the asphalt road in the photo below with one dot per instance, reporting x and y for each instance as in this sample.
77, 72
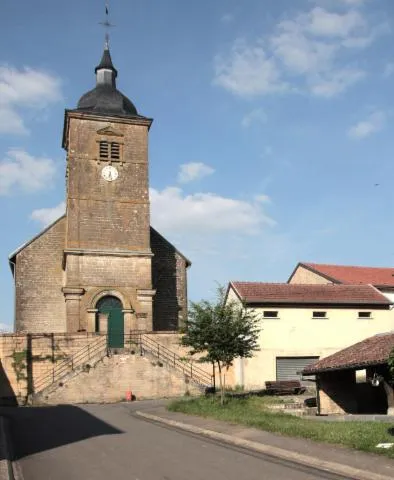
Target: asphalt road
107, 442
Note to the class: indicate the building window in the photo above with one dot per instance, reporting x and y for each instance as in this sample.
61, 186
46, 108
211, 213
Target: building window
104, 149
115, 151
319, 314
364, 314
270, 314
109, 150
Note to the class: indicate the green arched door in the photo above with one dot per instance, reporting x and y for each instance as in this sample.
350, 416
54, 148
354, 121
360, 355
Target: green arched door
112, 306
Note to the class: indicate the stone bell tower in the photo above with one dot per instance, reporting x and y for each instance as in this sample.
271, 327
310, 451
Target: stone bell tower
102, 267
107, 246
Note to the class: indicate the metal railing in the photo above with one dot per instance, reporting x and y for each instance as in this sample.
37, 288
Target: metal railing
173, 360
142, 341
98, 348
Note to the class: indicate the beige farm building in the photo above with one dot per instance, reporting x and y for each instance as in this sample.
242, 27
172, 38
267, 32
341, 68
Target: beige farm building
311, 317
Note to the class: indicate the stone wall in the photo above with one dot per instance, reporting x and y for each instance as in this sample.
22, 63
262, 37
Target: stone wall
101, 214
27, 363
27, 359
39, 301
305, 276
337, 392
169, 279
112, 377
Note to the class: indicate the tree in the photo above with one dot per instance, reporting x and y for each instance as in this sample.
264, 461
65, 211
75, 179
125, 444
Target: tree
221, 331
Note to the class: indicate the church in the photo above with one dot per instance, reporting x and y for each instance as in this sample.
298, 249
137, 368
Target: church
102, 267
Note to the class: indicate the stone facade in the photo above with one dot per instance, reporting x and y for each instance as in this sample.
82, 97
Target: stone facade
39, 274
112, 378
337, 393
306, 276
170, 283
28, 360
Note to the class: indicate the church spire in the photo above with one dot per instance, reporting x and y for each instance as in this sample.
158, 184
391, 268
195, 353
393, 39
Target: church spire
106, 73
105, 98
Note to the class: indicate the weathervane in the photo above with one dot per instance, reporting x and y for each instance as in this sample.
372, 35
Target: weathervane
107, 25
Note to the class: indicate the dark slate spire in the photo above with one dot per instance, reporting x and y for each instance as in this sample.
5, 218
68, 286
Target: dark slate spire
105, 98
106, 62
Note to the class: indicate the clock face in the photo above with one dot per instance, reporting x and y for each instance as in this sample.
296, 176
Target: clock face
109, 173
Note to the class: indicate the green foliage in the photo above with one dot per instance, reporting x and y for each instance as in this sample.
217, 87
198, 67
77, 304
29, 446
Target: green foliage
254, 412
390, 363
221, 331
20, 364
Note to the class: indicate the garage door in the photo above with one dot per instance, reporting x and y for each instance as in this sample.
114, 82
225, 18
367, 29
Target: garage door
287, 367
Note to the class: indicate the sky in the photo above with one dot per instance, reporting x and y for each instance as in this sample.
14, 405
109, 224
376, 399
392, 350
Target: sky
272, 140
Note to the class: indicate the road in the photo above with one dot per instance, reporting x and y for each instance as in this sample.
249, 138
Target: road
97, 442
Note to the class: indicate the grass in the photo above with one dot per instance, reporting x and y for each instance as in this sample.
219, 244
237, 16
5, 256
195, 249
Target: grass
253, 412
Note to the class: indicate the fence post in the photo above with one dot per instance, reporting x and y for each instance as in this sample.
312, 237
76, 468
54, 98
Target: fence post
158, 351
191, 370
174, 360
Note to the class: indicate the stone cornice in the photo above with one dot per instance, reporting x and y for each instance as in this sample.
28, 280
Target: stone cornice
113, 253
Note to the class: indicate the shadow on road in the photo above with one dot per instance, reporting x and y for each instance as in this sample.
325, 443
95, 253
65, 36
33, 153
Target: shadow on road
36, 429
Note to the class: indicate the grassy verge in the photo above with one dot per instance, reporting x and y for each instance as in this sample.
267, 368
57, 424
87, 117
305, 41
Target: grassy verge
253, 412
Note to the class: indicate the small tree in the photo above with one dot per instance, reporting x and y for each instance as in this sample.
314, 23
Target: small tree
222, 331
390, 364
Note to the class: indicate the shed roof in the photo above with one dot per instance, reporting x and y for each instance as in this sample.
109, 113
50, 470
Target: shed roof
352, 275
372, 351
285, 293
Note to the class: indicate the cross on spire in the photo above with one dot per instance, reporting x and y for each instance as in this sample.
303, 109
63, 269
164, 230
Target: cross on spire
107, 25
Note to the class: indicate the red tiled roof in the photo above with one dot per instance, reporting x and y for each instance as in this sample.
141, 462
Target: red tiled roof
278, 293
354, 275
372, 351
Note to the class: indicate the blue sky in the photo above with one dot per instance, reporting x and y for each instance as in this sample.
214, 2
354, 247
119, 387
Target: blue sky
273, 125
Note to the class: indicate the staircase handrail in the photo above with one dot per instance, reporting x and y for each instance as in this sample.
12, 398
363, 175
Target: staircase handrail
71, 363
173, 359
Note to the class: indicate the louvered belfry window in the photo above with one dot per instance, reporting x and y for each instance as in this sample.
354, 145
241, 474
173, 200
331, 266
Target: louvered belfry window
104, 149
115, 151
109, 150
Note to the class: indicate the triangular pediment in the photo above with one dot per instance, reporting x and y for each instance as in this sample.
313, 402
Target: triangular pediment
109, 131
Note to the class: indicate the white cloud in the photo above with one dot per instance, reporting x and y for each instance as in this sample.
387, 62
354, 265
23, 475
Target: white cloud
21, 89
46, 216
354, 2
248, 70
309, 51
20, 171
174, 212
194, 171
262, 198
11, 121
335, 82
255, 116
227, 18
374, 123
388, 69
321, 22
5, 328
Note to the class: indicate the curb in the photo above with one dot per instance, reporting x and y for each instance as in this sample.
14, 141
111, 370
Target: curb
305, 460
6, 470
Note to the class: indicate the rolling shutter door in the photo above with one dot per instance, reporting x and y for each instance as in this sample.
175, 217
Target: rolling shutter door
287, 367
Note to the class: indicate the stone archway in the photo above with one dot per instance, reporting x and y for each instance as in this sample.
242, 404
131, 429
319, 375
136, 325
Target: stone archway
110, 319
